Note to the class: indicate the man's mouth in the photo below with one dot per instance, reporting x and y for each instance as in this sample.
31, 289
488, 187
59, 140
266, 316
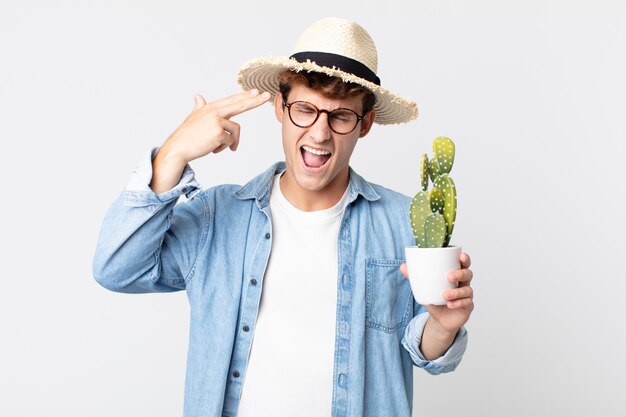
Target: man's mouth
314, 158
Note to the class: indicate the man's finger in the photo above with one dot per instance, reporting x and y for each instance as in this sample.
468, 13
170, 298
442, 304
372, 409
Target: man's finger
462, 276
233, 98
239, 106
466, 303
199, 101
233, 129
466, 262
404, 271
221, 147
458, 293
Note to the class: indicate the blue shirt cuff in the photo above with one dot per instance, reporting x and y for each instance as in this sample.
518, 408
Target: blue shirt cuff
446, 363
139, 194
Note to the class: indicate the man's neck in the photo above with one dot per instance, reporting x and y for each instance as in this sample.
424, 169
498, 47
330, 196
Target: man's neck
314, 200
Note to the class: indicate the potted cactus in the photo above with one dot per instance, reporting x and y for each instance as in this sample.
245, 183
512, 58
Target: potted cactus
432, 215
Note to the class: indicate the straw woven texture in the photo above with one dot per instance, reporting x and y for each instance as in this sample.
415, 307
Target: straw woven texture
337, 36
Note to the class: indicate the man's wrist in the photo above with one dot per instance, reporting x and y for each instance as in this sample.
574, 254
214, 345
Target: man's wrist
439, 332
167, 169
436, 340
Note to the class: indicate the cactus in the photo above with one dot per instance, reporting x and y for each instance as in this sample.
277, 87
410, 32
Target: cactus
433, 213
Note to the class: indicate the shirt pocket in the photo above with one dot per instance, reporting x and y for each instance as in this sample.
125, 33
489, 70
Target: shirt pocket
389, 300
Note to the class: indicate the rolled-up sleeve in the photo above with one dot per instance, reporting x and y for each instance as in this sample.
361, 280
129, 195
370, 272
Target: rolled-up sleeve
445, 363
139, 194
148, 242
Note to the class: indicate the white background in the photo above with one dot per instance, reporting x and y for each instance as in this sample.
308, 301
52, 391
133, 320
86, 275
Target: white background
532, 92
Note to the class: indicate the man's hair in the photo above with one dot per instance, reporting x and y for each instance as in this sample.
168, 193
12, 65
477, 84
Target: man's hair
331, 87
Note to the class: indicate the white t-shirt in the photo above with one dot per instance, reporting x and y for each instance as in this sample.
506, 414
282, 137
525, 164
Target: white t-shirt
290, 369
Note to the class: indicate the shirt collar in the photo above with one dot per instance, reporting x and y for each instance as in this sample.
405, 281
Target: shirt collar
259, 187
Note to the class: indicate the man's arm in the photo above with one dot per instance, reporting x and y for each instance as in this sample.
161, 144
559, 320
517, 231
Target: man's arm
148, 243
435, 341
146, 240
445, 322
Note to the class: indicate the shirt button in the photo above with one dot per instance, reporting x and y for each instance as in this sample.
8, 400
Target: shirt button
246, 328
267, 236
236, 374
253, 281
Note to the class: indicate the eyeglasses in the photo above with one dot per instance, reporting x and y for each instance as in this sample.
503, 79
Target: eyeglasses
304, 114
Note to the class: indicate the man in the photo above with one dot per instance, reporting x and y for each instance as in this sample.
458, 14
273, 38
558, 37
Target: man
295, 281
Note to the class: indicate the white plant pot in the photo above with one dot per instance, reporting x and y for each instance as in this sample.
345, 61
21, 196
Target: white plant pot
428, 272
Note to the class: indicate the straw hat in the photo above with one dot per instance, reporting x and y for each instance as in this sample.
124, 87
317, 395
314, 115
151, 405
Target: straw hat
339, 48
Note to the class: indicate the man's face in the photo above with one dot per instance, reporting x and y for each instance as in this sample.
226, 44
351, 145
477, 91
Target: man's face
308, 173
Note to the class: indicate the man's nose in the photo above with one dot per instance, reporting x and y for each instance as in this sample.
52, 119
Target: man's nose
320, 130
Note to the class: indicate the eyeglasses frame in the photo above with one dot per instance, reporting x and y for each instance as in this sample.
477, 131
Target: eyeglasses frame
320, 111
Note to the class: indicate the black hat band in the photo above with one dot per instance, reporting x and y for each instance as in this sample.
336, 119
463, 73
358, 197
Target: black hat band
341, 62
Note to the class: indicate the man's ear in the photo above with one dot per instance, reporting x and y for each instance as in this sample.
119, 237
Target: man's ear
366, 123
278, 106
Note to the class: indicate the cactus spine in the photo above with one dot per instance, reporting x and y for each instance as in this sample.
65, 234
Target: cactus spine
433, 212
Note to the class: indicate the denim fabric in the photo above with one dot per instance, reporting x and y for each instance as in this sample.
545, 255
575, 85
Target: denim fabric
216, 246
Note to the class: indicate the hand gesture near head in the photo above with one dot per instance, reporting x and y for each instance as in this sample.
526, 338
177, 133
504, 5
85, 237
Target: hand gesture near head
207, 129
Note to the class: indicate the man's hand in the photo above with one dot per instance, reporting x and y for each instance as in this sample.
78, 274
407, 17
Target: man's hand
206, 129
446, 320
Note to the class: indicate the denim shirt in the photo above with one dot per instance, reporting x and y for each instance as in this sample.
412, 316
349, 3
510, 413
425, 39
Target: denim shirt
216, 246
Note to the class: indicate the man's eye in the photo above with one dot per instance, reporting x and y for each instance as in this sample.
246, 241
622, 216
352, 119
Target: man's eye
342, 117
